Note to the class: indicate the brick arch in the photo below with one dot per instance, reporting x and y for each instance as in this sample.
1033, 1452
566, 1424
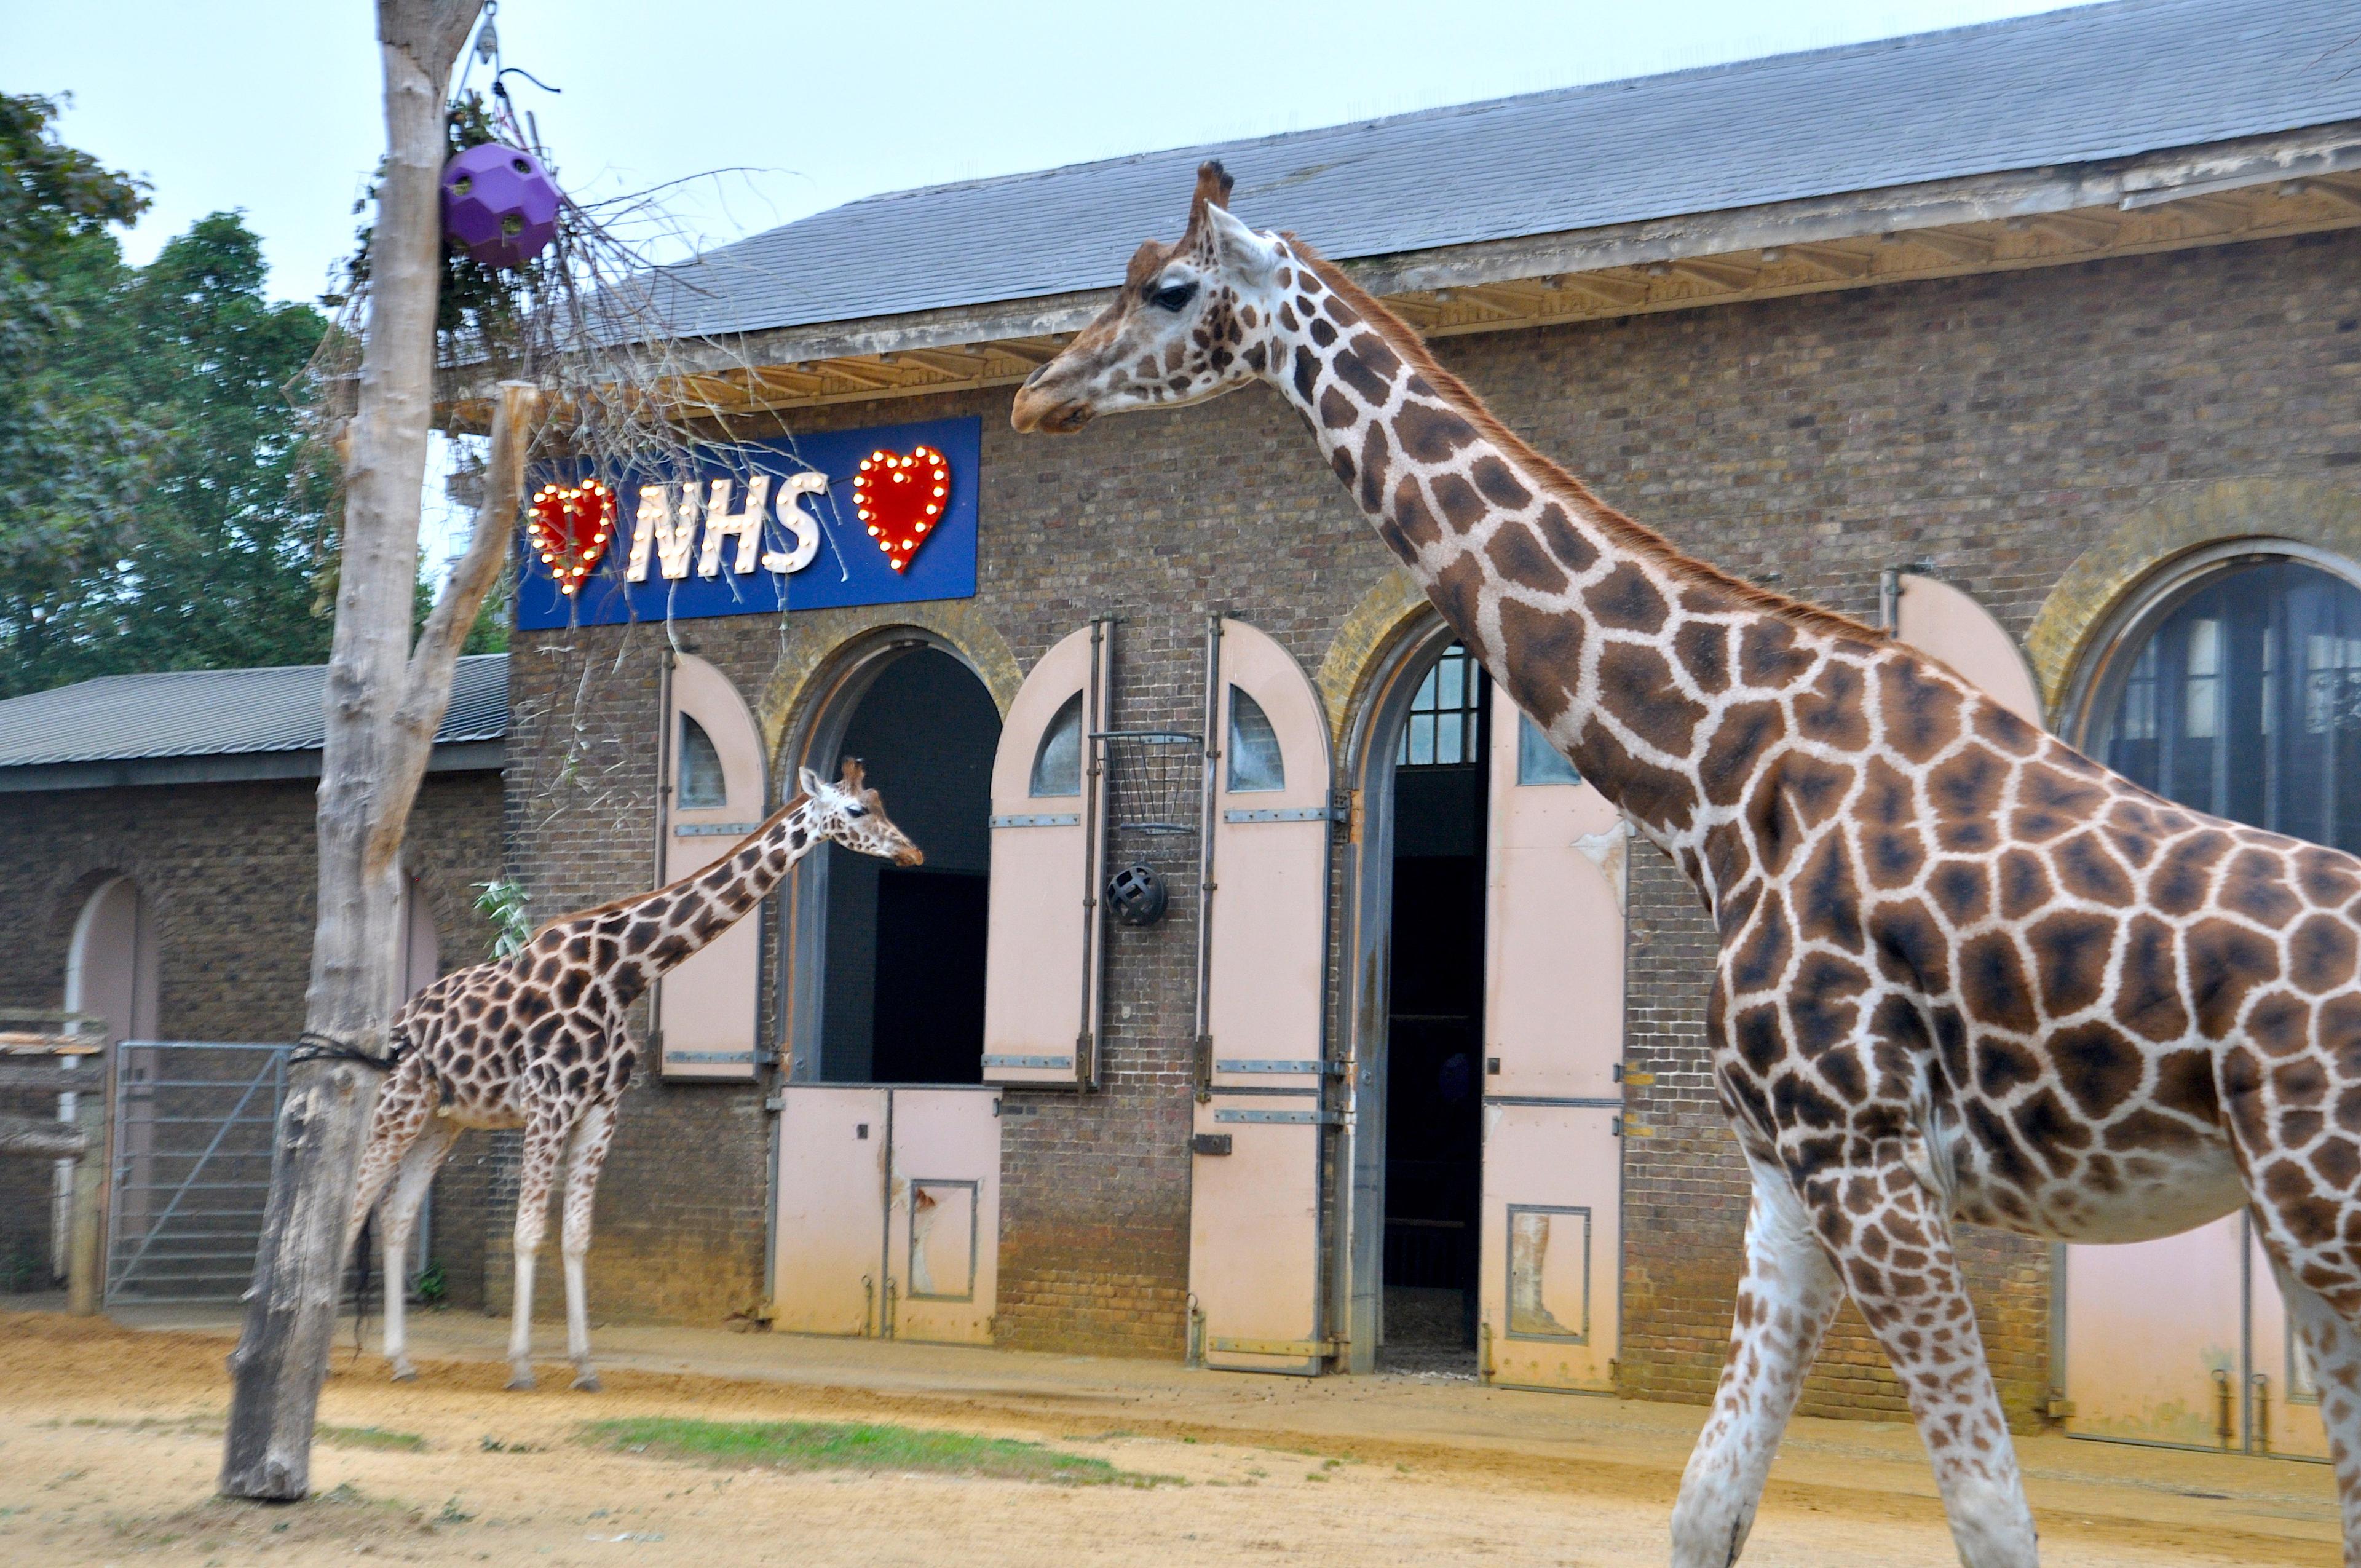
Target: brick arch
1363, 645
814, 638
2087, 605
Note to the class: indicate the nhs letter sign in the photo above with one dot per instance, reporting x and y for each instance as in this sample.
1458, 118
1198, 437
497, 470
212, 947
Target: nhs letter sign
884, 515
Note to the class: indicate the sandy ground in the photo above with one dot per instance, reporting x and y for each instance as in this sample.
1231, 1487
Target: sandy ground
109, 1441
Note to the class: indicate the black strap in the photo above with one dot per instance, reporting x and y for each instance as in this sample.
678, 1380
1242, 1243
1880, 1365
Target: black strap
313, 1046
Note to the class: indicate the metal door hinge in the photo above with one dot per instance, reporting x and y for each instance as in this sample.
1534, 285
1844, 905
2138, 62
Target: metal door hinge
2058, 1408
1627, 1128
1633, 1080
776, 1102
1209, 1143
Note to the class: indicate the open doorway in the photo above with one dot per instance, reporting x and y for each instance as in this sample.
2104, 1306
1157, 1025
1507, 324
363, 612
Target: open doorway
902, 999
1434, 1028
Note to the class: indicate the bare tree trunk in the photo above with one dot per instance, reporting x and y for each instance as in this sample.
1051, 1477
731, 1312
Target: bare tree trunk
384, 704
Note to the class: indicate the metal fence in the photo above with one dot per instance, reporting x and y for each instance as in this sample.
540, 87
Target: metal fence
193, 1158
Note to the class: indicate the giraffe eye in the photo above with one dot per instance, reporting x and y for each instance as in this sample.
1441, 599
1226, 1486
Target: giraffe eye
1173, 296
856, 811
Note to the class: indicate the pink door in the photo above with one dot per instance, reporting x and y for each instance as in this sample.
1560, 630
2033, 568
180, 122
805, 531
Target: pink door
888, 1214
942, 1225
1040, 998
1550, 1288
829, 1257
2154, 1337
706, 1009
1254, 1258
1935, 618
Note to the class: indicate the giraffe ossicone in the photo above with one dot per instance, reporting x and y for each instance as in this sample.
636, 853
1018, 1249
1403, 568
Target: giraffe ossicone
540, 1040
1964, 972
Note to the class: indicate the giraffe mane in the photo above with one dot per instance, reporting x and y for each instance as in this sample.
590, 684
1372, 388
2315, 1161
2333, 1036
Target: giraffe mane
1406, 341
628, 900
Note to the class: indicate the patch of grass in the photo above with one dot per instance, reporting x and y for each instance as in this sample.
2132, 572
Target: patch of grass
369, 1437
835, 1445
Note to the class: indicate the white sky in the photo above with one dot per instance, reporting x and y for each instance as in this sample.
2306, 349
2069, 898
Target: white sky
272, 105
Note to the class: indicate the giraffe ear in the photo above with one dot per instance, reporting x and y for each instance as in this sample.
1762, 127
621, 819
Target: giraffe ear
812, 782
1245, 255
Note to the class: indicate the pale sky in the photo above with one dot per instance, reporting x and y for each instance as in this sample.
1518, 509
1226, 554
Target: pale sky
272, 107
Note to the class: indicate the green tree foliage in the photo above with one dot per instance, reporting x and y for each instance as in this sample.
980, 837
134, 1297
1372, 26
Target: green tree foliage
155, 511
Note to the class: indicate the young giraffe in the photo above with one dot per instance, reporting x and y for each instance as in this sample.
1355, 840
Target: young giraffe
1964, 972
539, 1040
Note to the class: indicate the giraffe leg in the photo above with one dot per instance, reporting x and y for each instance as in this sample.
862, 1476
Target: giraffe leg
1891, 1241
544, 1141
418, 1168
401, 1112
2330, 1331
591, 1136
1789, 1293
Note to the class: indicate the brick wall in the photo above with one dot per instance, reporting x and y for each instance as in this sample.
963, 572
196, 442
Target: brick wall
230, 873
1994, 428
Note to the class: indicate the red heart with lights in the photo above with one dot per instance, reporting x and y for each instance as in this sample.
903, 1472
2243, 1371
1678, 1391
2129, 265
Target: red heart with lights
903, 501
569, 525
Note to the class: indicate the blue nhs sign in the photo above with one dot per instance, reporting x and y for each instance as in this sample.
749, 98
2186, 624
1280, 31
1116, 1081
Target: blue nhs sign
779, 525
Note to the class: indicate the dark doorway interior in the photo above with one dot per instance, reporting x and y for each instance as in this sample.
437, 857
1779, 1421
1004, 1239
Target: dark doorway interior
902, 998
1434, 1039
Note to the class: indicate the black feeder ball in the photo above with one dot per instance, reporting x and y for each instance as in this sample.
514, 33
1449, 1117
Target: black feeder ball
1136, 895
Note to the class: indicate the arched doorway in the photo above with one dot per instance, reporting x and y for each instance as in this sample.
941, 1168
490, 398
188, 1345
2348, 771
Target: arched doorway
2230, 682
902, 985
886, 1197
111, 975
1484, 1234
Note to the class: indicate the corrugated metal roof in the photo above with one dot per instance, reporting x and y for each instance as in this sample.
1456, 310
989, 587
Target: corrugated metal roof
2065, 87
205, 713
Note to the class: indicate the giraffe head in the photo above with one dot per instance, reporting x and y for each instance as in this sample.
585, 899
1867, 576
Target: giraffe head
848, 811
1187, 325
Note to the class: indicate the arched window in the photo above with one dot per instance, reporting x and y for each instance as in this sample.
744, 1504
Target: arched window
701, 781
1446, 713
2238, 692
1057, 765
1255, 759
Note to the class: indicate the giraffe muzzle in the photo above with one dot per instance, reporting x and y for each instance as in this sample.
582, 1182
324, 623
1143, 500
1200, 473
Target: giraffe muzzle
1035, 412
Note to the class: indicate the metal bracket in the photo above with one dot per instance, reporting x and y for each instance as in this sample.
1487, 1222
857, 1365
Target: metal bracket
1282, 814
1234, 1064
1039, 819
714, 830
1290, 1118
1028, 1062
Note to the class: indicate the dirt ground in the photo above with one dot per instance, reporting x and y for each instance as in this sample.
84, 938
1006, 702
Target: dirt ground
110, 1439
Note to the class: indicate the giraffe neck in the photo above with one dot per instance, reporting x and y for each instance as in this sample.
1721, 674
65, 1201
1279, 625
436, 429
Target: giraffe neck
656, 932
1621, 648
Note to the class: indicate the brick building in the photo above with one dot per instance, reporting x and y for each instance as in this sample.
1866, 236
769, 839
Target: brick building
2036, 340
158, 834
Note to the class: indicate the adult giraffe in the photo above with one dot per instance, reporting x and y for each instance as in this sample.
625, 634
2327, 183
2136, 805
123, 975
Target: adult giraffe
539, 1040
1964, 972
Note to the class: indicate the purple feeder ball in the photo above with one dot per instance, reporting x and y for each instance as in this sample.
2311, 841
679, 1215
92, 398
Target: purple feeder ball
498, 204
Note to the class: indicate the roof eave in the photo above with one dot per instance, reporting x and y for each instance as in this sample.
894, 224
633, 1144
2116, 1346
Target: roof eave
239, 767
997, 342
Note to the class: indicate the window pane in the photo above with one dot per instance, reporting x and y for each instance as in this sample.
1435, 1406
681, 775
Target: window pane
1537, 760
701, 783
1422, 739
1057, 765
1255, 759
2241, 700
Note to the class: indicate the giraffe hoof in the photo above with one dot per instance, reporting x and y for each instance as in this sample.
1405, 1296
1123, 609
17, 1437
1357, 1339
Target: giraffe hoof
404, 1373
589, 1382
520, 1381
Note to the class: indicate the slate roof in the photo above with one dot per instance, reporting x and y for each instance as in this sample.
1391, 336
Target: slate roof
2065, 87
210, 713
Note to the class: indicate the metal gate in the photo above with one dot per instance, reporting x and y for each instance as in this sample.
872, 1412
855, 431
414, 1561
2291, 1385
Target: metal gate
193, 1154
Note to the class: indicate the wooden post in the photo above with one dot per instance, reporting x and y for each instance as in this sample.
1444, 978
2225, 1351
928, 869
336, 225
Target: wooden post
385, 700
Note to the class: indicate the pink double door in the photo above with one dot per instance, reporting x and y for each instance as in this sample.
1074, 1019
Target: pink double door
1551, 1244
2184, 1340
888, 1212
